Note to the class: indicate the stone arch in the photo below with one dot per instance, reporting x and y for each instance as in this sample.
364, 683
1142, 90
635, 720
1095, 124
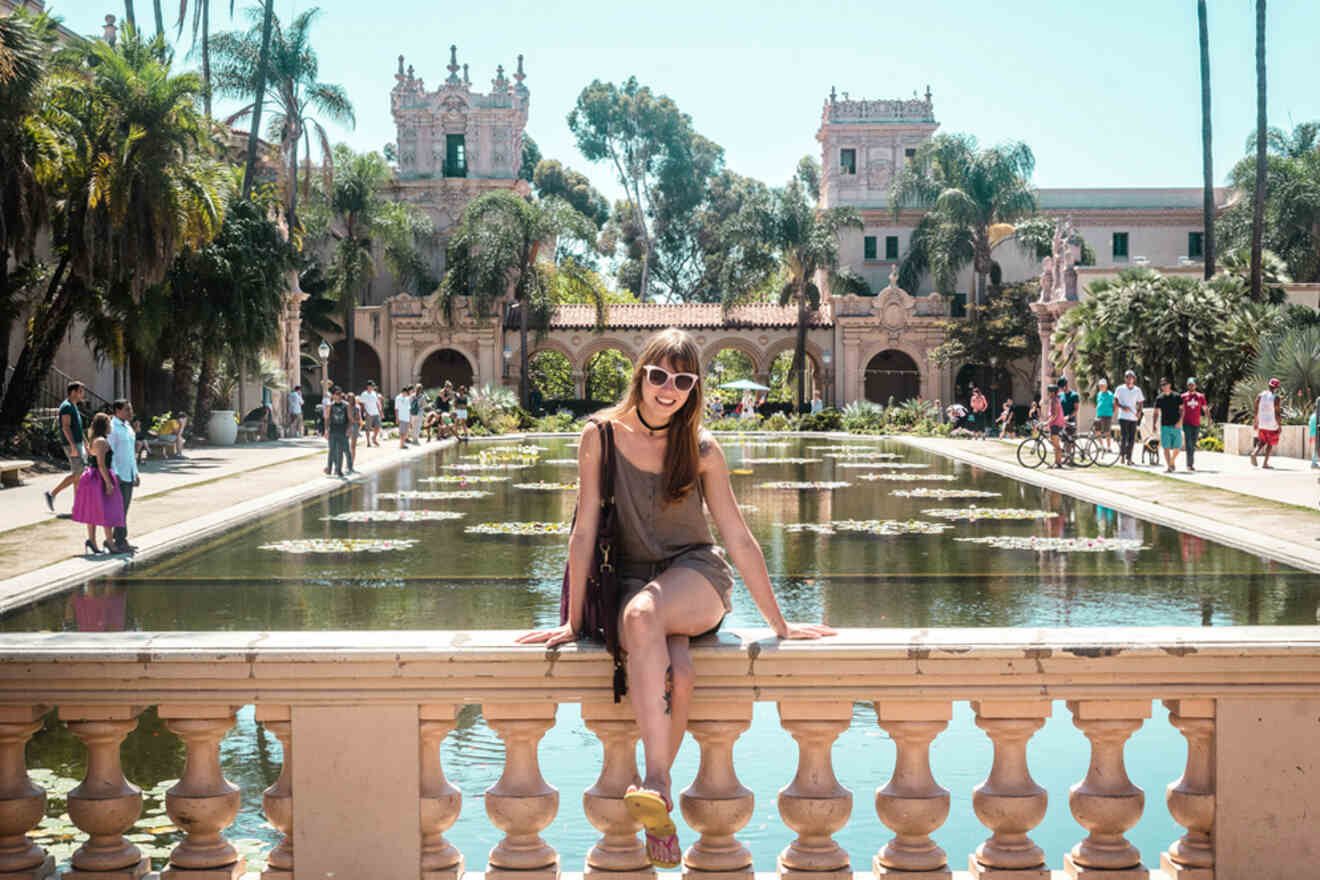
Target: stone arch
737, 343
814, 354
602, 344
890, 371
556, 345
366, 365
538, 392
448, 367
618, 382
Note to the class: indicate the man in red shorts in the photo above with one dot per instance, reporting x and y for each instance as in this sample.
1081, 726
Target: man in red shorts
1267, 423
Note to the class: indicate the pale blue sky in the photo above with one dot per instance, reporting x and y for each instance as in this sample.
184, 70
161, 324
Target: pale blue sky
1105, 94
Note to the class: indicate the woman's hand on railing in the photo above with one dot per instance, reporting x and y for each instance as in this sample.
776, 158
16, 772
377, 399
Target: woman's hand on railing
551, 637
807, 631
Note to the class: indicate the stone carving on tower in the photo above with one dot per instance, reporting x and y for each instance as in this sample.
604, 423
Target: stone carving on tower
454, 143
1058, 275
865, 142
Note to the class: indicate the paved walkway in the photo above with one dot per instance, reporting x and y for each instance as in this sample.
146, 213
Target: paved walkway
1267, 512
180, 501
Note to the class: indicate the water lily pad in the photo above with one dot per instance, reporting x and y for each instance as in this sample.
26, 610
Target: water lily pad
882, 527
397, 516
413, 495
521, 529
976, 514
790, 484
943, 493
339, 545
782, 460
909, 478
489, 466
544, 486
1056, 545
465, 478
563, 462
890, 465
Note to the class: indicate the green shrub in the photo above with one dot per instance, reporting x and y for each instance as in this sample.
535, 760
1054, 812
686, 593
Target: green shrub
780, 422
863, 417
735, 424
829, 419
1210, 444
561, 422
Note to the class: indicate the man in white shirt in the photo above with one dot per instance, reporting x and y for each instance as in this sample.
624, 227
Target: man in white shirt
1129, 401
295, 413
403, 414
370, 400
1267, 422
123, 460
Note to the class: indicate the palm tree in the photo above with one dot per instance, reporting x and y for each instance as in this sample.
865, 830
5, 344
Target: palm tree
808, 244
968, 190
292, 92
201, 26
1262, 129
1207, 158
362, 220
30, 148
258, 89
132, 187
495, 256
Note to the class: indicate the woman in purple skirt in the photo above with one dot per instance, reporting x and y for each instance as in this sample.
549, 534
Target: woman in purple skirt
97, 501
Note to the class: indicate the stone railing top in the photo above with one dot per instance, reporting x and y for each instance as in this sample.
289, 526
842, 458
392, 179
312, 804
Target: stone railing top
486, 666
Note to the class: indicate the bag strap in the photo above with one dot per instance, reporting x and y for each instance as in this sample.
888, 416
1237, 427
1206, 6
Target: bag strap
606, 463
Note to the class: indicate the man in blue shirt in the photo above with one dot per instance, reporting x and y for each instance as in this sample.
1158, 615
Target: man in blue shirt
1068, 401
123, 460
71, 433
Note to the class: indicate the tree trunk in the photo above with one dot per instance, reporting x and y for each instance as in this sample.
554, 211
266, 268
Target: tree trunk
350, 335
522, 355
293, 183
1207, 158
182, 387
800, 350
206, 57
160, 18
38, 353
258, 100
129, 18
1258, 207
205, 377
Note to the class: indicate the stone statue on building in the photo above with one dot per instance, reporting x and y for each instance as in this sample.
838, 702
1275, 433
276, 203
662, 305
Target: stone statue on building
1072, 254
1046, 279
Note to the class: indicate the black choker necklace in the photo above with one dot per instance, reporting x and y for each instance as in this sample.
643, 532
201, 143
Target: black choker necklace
650, 427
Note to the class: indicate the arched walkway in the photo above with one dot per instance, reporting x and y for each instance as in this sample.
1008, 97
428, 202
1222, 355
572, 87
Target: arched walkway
996, 385
445, 364
366, 365
891, 374
551, 375
608, 372
728, 364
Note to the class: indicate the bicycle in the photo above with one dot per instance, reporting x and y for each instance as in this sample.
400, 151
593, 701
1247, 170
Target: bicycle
1074, 450
1096, 449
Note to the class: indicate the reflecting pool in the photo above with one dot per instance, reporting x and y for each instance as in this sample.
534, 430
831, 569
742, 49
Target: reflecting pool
434, 575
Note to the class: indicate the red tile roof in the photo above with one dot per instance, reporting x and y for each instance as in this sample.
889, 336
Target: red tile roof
649, 316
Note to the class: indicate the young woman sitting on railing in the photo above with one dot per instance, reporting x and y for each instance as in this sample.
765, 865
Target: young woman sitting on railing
673, 582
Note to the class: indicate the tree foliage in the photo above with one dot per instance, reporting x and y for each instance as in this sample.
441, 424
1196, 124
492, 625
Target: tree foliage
1292, 200
1292, 356
1002, 330
1164, 326
552, 179
964, 190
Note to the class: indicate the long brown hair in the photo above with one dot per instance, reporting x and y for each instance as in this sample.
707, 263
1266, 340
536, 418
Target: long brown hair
683, 446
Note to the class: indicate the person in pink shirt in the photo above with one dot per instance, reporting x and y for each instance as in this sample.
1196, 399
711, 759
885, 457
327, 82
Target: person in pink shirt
1193, 413
1057, 421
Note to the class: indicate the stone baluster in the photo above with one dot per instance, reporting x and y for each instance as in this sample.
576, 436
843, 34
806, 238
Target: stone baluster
814, 804
1191, 799
441, 800
22, 802
1106, 803
521, 803
277, 800
1009, 802
619, 850
716, 804
912, 804
105, 804
203, 803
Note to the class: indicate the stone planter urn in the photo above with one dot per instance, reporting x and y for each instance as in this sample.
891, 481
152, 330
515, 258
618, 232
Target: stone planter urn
222, 430
1292, 441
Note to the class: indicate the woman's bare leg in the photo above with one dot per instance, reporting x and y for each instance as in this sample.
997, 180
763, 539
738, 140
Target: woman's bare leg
678, 602
681, 678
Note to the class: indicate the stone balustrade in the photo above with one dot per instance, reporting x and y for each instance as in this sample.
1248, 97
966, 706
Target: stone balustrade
368, 797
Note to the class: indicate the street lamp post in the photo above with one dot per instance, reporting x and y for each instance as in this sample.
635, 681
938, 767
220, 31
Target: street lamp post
324, 351
508, 356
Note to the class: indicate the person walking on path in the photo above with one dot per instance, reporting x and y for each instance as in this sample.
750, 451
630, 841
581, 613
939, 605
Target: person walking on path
403, 414
1052, 411
336, 432
817, 405
1194, 413
355, 419
295, 422
1267, 423
371, 403
979, 405
97, 501
1103, 427
1069, 401
71, 433
1169, 411
123, 442
1310, 433
1005, 419
415, 406
674, 584
1130, 402
461, 412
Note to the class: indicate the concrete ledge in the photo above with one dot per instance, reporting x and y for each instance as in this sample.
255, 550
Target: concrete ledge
42, 582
